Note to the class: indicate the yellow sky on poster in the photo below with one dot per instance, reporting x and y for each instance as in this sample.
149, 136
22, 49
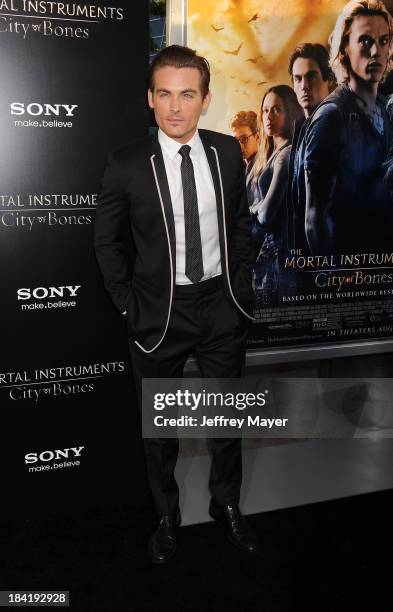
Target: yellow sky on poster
248, 42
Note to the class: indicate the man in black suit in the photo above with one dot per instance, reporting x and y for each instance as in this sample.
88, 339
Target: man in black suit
188, 289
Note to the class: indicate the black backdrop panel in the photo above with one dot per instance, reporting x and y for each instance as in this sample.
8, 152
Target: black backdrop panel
73, 86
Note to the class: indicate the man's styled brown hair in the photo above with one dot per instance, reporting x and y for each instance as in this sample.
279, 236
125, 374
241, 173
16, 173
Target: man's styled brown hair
245, 119
181, 57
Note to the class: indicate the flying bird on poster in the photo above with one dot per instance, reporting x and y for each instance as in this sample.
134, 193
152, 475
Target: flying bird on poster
235, 52
253, 59
253, 18
215, 28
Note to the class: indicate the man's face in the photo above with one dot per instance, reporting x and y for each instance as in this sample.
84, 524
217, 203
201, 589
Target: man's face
177, 101
247, 140
368, 47
308, 83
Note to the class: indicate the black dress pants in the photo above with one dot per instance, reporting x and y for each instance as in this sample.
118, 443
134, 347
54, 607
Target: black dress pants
206, 324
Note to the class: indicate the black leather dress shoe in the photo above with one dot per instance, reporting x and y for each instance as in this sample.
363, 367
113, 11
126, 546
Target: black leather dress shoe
238, 531
162, 543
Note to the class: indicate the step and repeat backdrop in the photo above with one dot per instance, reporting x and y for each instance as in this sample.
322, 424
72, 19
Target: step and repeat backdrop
73, 87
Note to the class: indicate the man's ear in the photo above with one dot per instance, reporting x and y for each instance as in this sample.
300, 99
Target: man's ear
150, 98
206, 102
332, 83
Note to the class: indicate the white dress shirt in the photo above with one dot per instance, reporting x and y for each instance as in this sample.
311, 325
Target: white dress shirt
206, 205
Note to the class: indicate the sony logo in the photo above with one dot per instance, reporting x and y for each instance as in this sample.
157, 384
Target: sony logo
49, 455
40, 293
35, 109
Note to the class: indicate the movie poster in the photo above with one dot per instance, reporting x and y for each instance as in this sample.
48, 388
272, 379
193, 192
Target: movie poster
306, 88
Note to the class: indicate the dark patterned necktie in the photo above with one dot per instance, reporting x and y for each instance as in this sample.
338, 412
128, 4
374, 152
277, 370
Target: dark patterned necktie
194, 262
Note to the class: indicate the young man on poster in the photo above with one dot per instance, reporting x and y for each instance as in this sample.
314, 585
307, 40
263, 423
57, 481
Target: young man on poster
188, 292
347, 144
244, 127
312, 81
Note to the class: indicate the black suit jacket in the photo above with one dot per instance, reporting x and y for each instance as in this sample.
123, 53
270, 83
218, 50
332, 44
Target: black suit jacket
135, 191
